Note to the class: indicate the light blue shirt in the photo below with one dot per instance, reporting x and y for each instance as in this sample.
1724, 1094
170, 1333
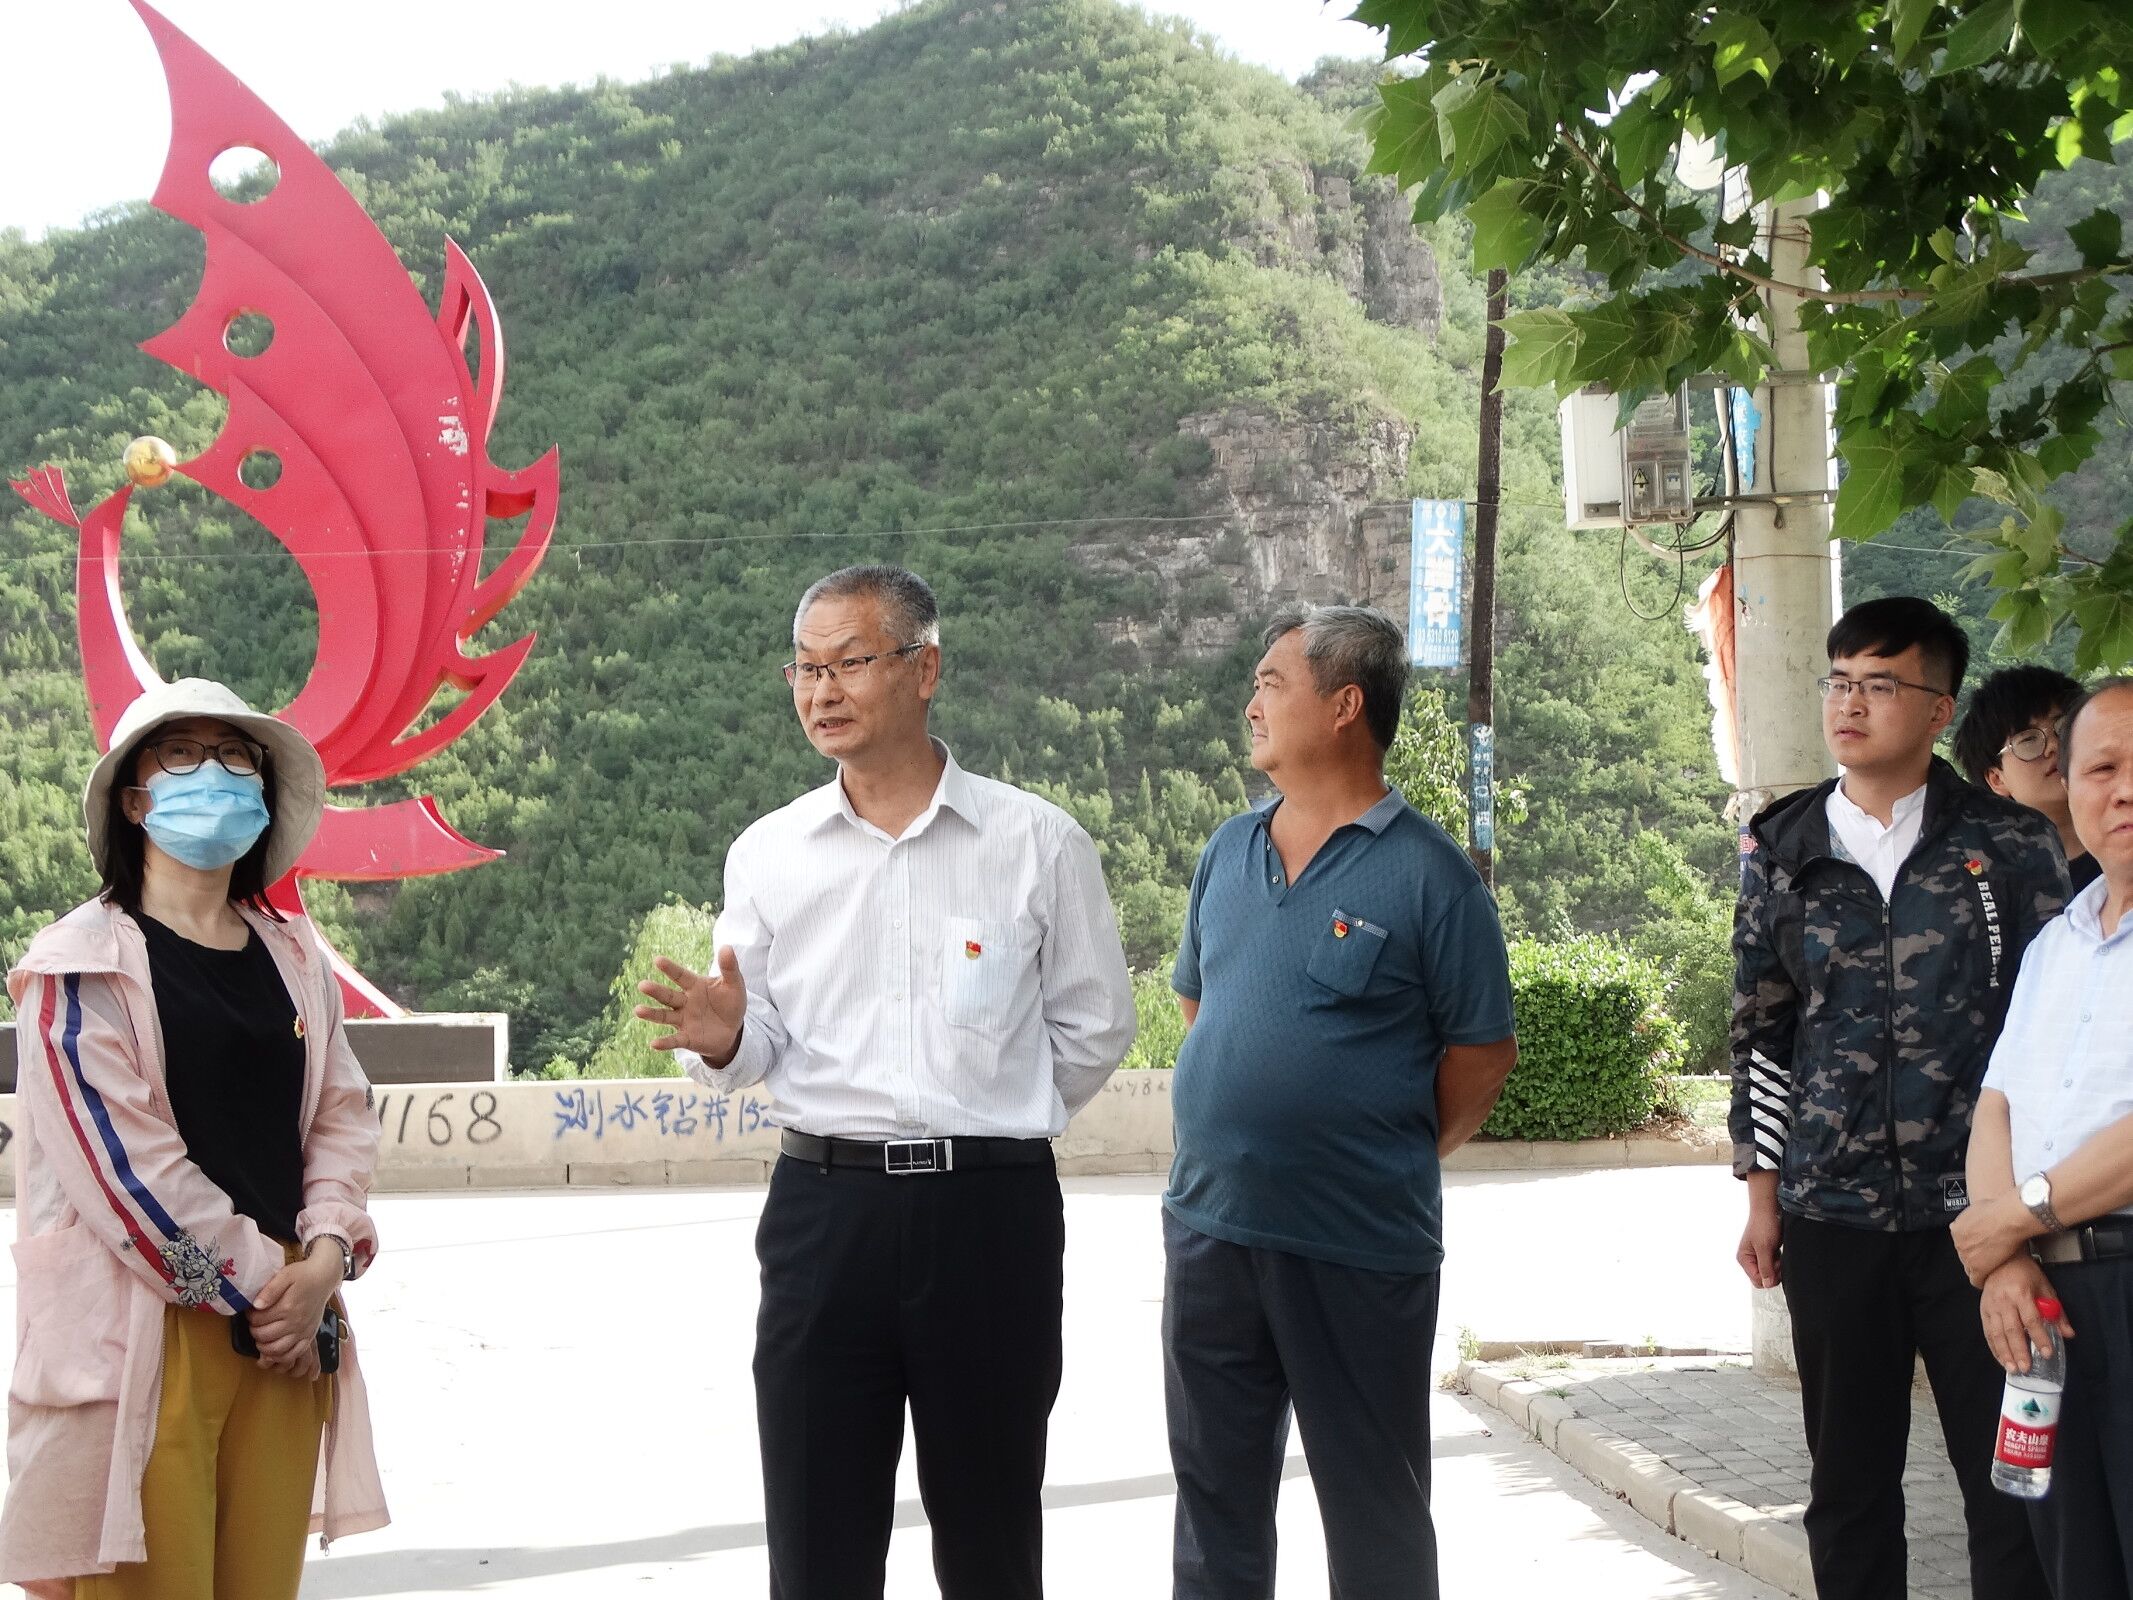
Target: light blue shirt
2065, 1058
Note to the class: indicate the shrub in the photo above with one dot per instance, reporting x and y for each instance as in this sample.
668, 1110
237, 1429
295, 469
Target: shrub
681, 933
1162, 1025
1595, 1042
1688, 931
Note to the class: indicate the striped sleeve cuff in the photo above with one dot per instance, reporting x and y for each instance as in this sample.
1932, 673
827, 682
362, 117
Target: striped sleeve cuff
1769, 1111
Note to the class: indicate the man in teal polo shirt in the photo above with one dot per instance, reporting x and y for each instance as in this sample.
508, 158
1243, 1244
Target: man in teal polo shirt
1348, 999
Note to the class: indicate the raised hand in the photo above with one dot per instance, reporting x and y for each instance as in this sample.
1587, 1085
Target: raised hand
706, 1013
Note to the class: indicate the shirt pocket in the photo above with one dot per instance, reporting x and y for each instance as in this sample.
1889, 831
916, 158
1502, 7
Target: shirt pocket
70, 1319
980, 964
1346, 953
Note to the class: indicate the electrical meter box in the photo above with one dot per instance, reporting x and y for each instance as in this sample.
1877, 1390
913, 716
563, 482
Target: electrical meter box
1638, 474
1657, 481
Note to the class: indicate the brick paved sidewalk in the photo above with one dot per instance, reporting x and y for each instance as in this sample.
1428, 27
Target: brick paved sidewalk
1707, 1449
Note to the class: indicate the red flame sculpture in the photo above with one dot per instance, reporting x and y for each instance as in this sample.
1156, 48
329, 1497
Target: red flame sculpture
385, 487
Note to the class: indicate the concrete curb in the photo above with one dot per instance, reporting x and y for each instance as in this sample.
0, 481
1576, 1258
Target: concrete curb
1768, 1547
1628, 1150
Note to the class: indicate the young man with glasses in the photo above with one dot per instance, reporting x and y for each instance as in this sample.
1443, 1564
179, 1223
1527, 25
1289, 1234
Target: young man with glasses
922, 968
2008, 742
1882, 917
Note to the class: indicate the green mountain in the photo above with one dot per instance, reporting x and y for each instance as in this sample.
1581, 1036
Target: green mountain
1105, 334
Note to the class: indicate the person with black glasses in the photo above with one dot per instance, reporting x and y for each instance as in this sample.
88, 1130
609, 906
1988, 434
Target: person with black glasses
195, 1143
1883, 917
2008, 742
922, 968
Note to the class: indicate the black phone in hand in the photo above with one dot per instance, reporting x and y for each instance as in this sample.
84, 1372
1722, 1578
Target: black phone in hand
332, 1329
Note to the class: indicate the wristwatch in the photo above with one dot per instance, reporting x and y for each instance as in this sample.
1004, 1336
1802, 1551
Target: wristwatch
348, 1260
2036, 1194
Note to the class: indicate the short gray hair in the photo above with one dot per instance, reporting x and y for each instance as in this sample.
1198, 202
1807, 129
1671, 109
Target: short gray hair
908, 609
2081, 704
1352, 644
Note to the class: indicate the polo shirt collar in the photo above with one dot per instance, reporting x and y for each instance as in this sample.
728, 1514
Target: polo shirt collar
1377, 819
956, 792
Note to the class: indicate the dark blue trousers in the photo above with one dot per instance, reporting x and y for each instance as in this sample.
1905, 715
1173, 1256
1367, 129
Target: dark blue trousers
2084, 1526
1247, 1336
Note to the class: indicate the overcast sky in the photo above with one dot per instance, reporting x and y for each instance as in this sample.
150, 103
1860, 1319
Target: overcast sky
84, 117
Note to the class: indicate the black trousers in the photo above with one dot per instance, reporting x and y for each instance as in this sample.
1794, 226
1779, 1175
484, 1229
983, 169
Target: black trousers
1247, 1334
2084, 1526
941, 1291
1865, 1305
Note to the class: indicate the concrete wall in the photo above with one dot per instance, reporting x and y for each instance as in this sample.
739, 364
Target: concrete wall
669, 1130
432, 1047
657, 1131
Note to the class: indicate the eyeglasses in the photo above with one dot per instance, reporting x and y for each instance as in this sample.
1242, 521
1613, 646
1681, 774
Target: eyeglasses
1878, 689
852, 669
180, 756
2031, 743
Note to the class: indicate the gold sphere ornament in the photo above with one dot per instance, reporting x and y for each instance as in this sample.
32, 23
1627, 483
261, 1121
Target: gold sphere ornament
150, 462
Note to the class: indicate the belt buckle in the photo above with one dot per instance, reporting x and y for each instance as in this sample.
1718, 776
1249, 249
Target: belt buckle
904, 1158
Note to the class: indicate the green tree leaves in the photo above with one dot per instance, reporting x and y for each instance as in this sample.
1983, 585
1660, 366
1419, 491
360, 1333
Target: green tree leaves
1929, 124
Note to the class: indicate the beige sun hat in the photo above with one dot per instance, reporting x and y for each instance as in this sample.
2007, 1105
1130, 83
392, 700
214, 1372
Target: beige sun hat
299, 776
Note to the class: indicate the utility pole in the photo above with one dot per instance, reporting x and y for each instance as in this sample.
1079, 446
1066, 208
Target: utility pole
1784, 598
1481, 665
1784, 566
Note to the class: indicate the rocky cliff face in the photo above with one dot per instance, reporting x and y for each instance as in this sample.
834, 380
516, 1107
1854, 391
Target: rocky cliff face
1314, 509
1311, 514
1355, 229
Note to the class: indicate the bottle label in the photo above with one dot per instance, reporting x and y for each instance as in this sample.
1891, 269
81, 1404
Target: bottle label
2029, 1426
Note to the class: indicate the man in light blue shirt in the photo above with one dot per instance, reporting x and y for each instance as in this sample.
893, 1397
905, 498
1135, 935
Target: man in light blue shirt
2051, 1169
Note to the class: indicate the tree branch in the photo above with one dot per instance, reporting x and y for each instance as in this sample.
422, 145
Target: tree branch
1830, 297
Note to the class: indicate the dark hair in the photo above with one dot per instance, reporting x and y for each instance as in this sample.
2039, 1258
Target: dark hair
126, 844
908, 609
1352, 644
2003, 705
2081, 704
1890, 626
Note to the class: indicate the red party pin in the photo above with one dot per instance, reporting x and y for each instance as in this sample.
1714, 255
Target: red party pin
1975, 866
1340, 929
299, 1027
972, 949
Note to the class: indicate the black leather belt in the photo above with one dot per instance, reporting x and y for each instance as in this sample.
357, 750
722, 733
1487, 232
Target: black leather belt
904, 1158
2092, 1241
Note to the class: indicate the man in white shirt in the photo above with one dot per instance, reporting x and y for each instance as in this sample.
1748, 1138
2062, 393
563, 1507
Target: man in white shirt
2051, 1168
923, 969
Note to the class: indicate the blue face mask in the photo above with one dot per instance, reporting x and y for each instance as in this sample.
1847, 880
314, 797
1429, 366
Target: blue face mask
206, 818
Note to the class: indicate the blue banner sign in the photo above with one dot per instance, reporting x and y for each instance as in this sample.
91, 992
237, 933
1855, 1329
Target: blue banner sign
1433, 587
1481, 786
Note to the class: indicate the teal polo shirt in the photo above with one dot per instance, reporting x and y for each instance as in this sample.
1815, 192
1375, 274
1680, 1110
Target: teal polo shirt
1305, 1096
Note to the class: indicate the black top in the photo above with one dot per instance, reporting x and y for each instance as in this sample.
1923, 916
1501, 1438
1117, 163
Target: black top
234, 1063
2084, 869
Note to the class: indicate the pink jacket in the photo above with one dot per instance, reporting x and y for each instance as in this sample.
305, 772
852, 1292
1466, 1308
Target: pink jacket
114, 1223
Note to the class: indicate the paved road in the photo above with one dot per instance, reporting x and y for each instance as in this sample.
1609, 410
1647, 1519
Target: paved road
562, 1395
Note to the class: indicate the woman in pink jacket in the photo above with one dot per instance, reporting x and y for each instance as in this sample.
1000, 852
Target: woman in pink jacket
192, 1172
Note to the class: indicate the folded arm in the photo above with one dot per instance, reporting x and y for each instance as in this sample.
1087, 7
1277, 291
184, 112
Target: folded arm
121, 1165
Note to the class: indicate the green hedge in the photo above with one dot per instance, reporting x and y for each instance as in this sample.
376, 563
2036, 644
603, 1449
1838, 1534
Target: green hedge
1595, 1043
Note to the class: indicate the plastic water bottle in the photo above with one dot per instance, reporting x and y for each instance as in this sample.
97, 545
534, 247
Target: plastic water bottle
2029, 1416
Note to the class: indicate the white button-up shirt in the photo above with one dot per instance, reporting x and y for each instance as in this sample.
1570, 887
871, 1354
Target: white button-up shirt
1861, 838
2065, 1057
964, 979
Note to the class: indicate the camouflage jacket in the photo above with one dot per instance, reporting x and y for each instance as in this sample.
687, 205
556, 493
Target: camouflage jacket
1861, 1027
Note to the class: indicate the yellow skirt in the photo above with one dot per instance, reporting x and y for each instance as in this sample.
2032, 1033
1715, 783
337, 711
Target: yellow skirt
226, 1499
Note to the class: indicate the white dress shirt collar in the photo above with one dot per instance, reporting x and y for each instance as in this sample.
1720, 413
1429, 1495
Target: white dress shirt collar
1880, 851
954, 793
2084, 914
